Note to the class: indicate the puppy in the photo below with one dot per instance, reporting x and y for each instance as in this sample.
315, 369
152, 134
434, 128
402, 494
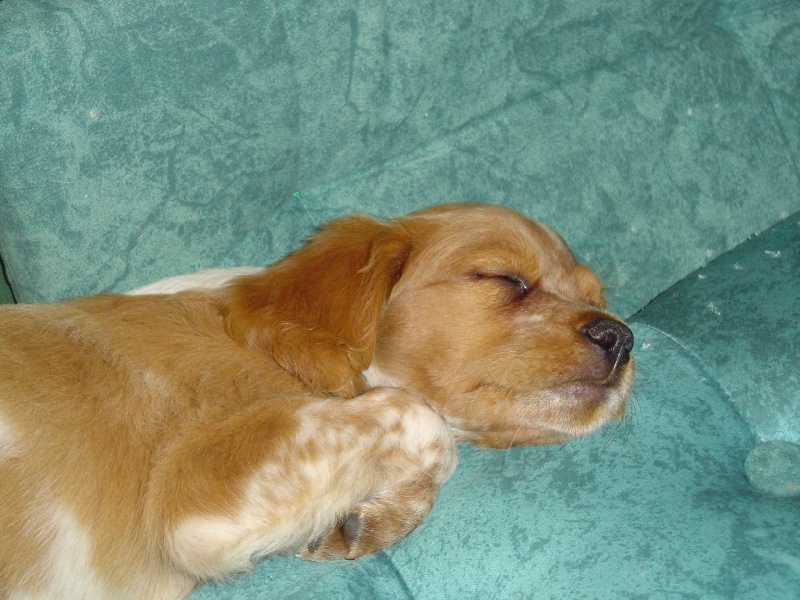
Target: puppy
150, 442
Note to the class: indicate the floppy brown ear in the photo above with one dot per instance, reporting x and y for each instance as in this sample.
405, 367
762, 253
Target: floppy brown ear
316, 311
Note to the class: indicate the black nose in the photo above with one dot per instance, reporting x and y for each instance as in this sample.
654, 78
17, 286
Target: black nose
611, 336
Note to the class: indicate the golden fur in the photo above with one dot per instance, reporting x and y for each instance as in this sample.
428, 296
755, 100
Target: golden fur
148, 443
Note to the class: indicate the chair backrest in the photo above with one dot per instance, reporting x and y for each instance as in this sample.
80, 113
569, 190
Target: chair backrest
140, 140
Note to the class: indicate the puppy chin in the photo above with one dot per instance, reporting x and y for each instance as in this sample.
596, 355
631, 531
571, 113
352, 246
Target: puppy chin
561, 414
583, 408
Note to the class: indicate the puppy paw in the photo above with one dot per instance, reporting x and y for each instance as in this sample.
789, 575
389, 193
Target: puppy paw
375, 524
414, 454
337, 543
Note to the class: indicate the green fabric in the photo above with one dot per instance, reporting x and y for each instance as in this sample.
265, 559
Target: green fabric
774, 468
143, 139
6, 296
137, 139
657, 507
740, 315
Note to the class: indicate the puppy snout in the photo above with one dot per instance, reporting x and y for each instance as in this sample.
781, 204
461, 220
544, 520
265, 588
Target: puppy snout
612, 337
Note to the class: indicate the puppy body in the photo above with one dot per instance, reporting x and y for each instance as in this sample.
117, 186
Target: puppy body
150, 442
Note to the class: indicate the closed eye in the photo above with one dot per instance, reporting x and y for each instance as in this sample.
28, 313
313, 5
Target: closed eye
515, 281
518, 285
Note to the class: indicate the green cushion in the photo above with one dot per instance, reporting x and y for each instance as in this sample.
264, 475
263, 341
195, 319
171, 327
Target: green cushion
6, 297
740, 315
137, 139
144, 139
774, 468
656, 506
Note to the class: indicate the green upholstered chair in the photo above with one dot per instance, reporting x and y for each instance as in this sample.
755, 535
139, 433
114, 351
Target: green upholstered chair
141, 139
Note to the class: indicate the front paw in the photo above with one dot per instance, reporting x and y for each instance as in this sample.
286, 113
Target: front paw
338, 543
375, 524
415, 453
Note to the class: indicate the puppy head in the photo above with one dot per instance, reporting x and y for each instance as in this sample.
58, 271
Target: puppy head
483, 311
497, 324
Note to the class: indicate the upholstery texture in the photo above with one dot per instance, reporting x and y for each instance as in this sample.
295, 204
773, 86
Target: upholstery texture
6, 296
144, 139
740, 315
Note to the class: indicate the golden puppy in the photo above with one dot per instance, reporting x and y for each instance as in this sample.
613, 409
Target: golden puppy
150, 442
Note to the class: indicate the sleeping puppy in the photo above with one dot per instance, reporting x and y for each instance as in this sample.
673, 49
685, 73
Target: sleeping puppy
149, 442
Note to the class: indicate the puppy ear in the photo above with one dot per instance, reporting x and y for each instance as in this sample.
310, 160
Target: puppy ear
316, 311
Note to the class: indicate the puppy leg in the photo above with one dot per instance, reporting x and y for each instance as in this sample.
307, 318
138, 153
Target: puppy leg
278, 478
